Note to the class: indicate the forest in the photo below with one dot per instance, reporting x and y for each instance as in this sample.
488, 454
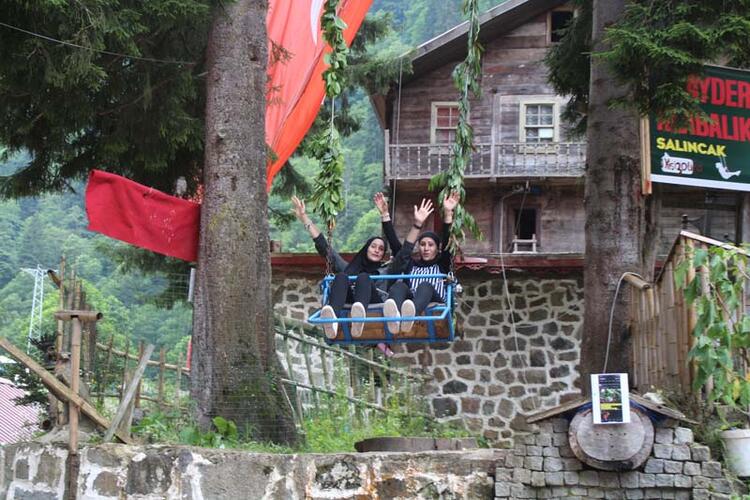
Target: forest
150, 304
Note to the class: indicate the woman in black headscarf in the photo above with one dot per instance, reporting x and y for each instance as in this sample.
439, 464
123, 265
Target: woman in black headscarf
367, 262
411, 297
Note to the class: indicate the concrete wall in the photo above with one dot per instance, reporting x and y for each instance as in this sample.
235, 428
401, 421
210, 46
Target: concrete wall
511, 361
33, 471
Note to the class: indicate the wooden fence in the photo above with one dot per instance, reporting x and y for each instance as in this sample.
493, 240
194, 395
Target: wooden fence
662, 323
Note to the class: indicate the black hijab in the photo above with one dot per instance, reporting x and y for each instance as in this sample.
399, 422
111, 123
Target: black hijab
360, 263
434, 237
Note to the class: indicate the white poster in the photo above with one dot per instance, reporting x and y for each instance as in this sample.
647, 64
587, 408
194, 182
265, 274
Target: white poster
609, 398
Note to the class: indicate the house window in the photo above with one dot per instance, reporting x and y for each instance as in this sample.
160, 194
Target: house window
444, 122
524, 230
538, 122
557, 21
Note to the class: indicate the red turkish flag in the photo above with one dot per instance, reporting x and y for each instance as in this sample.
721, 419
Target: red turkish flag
296, 88
136, 214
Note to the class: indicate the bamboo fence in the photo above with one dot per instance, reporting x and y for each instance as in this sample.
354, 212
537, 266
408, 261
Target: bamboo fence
662, 322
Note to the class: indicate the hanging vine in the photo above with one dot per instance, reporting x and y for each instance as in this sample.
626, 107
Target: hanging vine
466, 78
327, 194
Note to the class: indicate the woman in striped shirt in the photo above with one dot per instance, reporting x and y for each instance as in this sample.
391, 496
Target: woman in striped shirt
411, 297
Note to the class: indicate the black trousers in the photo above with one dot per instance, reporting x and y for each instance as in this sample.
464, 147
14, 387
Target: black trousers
424, 294
363, 291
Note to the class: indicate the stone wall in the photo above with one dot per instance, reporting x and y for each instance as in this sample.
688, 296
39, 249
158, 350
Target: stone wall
543, 466
33, 471
512, 360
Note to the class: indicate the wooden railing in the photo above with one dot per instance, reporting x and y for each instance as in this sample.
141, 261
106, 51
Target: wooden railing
523, 160
662, 323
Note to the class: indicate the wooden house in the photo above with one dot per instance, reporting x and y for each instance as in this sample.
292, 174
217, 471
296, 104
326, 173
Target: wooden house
525, 179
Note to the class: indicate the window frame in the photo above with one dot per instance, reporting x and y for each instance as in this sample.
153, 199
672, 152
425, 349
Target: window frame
549, 21
535, 101
434, 105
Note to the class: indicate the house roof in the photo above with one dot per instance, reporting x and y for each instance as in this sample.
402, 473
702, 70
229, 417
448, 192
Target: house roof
17, 422
493, 23
451, 45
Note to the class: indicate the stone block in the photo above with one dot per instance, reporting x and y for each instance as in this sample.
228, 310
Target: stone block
551, 451
502, 489
691, 468
513, 461
570, 478
635, 494
614, 494
595, 493
572, 464
554, 478
681, 452
522, 491
701, 482
646, 480
589, 478
560, 425
537, 479
711, 469
560, 438
544, 440
683, 435
682, 481
534, 463
519, 449
721, 485
663, 436
503, 474
701, 494
552, 464
672, 467
682, 495
566, 451
662, 450
534, 451
529, 439
700, 453
609, 479
654, 466
521, 475
665, 480
629, 479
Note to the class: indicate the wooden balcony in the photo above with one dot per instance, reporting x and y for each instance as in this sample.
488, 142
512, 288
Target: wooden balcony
503, 160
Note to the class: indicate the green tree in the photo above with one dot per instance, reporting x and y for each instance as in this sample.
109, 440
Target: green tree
643, 53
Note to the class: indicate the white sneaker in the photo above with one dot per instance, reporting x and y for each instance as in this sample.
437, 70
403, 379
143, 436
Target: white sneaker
358, 311
390, 310
330, 329
407, 309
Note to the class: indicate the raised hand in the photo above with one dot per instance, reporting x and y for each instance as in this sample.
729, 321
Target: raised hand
381, 203
299, 208
451, 201
422, 212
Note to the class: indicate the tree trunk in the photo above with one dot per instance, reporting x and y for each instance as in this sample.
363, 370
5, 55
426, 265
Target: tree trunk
621, 233
235, 369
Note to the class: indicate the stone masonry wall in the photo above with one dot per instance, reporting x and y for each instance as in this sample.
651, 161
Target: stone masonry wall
512, 360
33, 471
543, 466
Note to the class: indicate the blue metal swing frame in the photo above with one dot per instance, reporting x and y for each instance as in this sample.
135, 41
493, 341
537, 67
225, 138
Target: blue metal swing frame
432, 314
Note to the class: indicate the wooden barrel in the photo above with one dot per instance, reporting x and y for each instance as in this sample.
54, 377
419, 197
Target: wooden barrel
616, 447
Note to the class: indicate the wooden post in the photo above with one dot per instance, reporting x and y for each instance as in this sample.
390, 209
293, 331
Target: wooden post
138, 391
162, 401
306, 353
692, 317
75, 366
178, 383
125, 368
106, 367
133, 387
61, 303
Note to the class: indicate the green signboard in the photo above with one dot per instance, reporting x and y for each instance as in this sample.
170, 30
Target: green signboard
713, 152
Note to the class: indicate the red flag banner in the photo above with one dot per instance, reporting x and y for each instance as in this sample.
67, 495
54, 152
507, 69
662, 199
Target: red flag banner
295, 65
139, 215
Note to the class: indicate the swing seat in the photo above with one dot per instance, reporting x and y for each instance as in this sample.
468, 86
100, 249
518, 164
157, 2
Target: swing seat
434, 325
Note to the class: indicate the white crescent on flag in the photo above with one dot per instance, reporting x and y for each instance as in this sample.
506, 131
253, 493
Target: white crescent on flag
315, 19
